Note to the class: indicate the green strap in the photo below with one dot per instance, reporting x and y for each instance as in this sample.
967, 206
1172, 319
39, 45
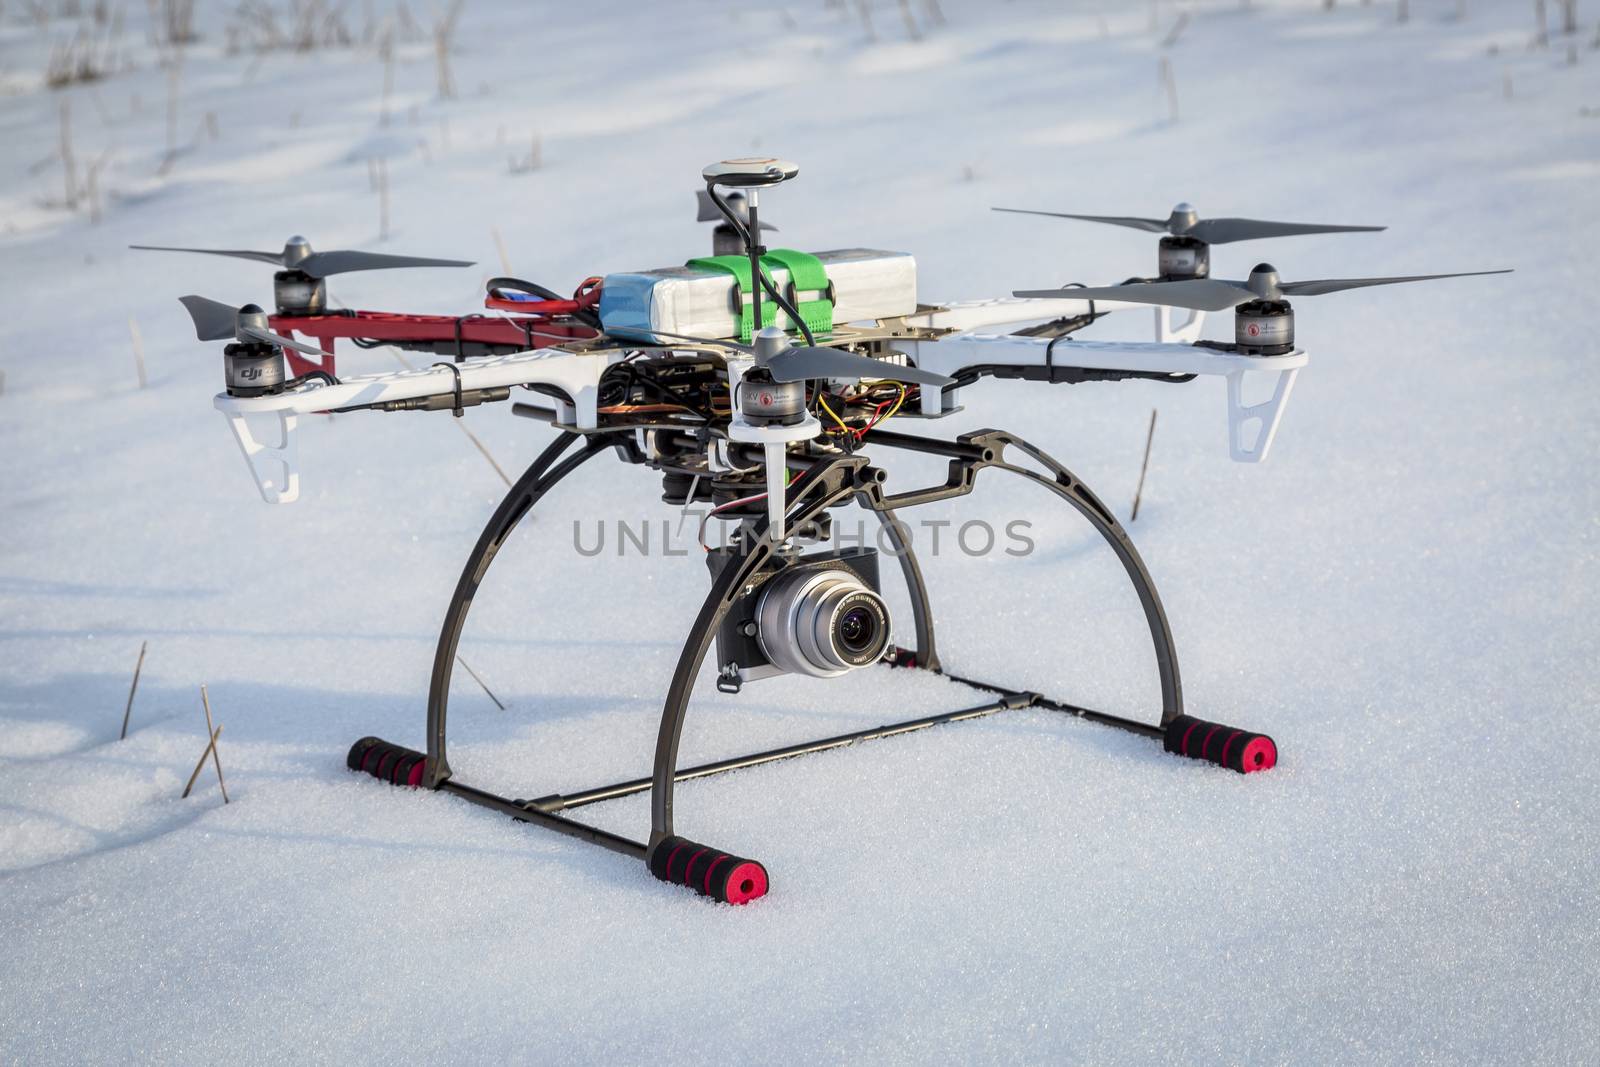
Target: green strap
806, 276
739, 267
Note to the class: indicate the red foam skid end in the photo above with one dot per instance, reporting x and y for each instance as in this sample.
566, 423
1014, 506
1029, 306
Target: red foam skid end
1226, 746
708, 871
1259, 755
747, 882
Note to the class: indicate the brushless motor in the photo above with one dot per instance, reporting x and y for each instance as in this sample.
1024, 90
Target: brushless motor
252, 368
768, 402
298, 293
1264, 327
1182, 258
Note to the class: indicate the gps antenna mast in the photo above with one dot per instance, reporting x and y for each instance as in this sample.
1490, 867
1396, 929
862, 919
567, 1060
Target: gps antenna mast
749, 176
753, 245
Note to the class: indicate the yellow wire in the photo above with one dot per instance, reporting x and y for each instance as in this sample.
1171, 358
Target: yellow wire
901, 399
831, 414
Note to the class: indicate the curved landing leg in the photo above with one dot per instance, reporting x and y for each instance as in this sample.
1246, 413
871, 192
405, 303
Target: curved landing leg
926, 654
541, 474
826, 484
1066, 485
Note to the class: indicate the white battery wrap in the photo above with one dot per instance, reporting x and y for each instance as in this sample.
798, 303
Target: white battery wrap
867, 284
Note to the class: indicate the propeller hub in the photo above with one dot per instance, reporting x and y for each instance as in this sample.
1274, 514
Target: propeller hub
1183, 217
295, 251
1264, 281
769, 343
250, 317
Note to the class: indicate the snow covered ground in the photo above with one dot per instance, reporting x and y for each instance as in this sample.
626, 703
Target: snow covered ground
1403, 595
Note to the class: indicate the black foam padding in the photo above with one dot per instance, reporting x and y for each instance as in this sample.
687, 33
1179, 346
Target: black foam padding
718, 866
1209, 741
380, 758
358, 752
659, 855
694, 875
404, 766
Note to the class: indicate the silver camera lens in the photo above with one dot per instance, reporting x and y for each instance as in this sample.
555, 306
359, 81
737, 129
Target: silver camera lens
821, 623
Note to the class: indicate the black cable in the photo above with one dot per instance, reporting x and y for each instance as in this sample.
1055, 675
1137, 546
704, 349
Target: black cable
743, 232
637, 373
456, 409
523, 287
311, 376
586, 316
789, 310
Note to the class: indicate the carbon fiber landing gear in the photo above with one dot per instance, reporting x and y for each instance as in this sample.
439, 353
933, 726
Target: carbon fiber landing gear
827, 482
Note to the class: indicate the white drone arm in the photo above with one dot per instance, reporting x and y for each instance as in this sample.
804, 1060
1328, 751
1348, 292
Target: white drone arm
271, 455
1008, 310
1251, 426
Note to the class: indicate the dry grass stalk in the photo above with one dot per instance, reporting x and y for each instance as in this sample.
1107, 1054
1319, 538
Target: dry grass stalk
483, 449
1171, 84
386, 54
216, 760
1149, 439
864, 10
383, 199
530, 163
444, 32
480, 682
1178, 26
69, 163
132, 689
913, 31
211, 747
138, 354
500, 247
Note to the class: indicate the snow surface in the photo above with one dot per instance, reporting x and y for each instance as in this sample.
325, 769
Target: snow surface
1403, 595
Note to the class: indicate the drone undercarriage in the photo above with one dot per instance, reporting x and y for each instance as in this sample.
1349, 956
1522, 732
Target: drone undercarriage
826, 478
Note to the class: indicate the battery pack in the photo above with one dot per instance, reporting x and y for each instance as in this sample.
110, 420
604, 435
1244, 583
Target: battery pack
867, 284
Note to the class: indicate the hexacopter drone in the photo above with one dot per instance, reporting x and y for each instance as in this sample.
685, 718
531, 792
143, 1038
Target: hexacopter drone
695, 372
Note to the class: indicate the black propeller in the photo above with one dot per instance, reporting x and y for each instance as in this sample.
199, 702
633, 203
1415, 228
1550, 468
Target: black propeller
216, 321
1184, 221
297, 255
1215, 294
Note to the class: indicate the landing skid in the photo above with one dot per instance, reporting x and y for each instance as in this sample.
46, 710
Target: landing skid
721, 875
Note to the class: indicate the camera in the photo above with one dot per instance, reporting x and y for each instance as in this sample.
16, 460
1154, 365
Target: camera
819, 615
